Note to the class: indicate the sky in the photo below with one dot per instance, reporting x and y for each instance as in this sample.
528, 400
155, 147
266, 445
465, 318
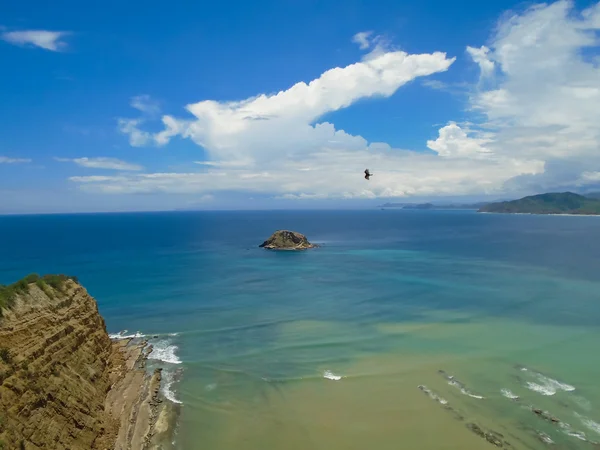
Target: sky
130, 106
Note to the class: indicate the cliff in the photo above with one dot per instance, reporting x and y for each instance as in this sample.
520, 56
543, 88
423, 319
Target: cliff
63, 383
287, 240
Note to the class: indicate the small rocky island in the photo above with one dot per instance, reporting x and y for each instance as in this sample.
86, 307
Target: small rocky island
287, 240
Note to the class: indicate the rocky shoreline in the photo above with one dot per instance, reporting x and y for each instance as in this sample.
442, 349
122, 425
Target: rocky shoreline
147, 419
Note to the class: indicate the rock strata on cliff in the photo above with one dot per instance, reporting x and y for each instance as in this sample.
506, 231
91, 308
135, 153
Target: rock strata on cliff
63, 383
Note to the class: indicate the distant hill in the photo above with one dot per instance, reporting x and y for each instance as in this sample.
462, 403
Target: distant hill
551, 203
433, 206
593, 195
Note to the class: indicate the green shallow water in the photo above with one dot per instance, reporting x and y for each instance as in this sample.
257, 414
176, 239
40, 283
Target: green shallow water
376, 403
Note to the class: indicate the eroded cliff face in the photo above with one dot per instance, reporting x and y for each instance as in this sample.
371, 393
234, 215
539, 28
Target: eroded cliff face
63, 383
55, 372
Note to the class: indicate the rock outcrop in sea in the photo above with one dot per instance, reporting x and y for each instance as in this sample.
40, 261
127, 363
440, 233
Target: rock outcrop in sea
64, 384
287, 240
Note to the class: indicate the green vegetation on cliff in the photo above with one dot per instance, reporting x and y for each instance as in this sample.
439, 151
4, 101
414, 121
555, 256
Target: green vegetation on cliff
8, 294
551, 203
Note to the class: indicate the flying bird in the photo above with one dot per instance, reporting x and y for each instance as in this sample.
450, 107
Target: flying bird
367, 174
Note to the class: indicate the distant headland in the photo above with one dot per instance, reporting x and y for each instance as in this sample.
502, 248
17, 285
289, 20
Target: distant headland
550, 203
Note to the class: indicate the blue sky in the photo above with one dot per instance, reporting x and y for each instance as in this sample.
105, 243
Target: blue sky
148, 105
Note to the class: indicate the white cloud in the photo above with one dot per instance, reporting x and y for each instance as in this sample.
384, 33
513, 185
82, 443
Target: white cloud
103, 163
137, 137
145, 104
587, 177
533, 124
453, 142
150, 109
362, 39
275, 126
331, 174
48, 40
480, 56
545, 103
7, 160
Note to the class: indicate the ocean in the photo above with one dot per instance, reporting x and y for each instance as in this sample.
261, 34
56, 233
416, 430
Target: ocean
405, 329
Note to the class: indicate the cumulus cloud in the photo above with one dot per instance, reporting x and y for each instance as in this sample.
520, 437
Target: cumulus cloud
102, 163
7, 160
283, 125
532, 125
545, 104
48, 40
453, 142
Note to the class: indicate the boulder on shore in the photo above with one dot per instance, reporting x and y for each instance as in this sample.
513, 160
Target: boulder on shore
287, 240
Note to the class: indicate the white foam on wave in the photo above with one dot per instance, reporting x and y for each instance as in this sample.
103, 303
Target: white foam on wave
331, 376
578, 434
557, 385
464, 391
570, 432
210, 387
508, 394
589, 423
168, 380
164, 351
546, 385
478, 397
123, 335
544, 390
545, 438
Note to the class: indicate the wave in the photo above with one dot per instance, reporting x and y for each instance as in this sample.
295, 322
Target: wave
452, 381
331, 376
590, 424
546, 385
554, 383
570, 432
545, 438
168, 379
508, 394
123, 335
432, 395
577, 434
164, 351
463, 390
544, 390
137, 335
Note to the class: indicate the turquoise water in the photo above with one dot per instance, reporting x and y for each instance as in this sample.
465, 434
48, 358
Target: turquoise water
255, 341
